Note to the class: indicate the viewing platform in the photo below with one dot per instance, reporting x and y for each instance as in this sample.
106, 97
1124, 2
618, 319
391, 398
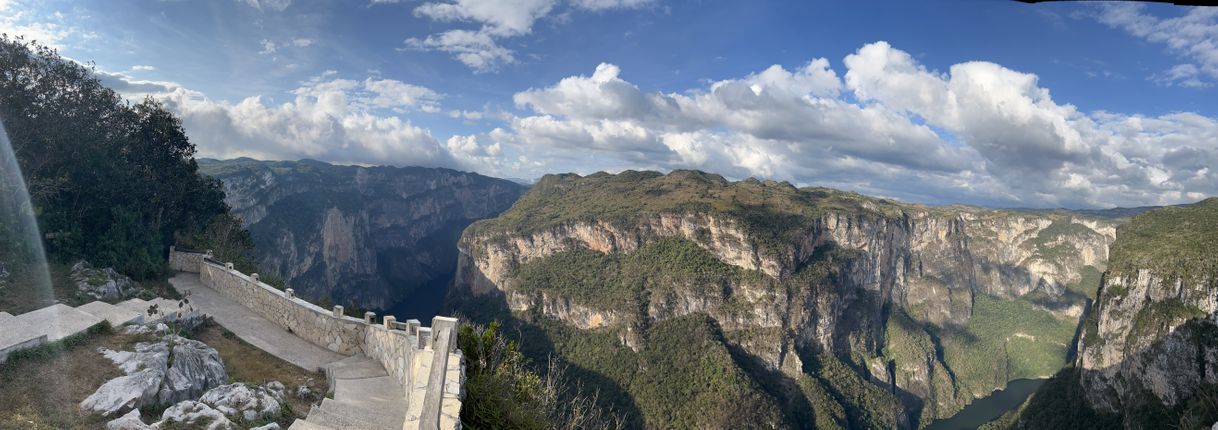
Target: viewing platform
386, 375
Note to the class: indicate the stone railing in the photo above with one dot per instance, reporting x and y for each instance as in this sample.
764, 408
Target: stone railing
424, 360
185, 260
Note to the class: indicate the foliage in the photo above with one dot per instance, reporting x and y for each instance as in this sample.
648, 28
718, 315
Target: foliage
112, 182
865, 405
1005, 340
503, 392
619, 281
1060, 404
1174, 242
774, 213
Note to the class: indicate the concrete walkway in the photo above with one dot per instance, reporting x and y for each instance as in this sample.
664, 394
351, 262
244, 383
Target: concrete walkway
253, 328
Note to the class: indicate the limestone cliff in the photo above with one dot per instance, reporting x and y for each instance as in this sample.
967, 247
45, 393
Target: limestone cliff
790, 273
1152, 341
373, 235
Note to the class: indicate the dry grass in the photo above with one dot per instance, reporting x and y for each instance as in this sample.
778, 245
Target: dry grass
248, 364
40, 388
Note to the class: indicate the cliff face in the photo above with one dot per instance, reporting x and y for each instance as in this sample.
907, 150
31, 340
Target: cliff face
830, 279
371, 235
1152, 341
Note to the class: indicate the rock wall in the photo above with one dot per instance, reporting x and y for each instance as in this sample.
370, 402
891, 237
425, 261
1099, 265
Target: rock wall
404, 350
186, 261
1152, 335
928, 262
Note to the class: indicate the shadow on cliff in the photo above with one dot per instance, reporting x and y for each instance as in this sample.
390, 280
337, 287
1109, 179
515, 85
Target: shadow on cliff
537, 345
1063, 401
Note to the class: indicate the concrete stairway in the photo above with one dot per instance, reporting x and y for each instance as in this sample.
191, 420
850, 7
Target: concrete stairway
364, 397
55, 322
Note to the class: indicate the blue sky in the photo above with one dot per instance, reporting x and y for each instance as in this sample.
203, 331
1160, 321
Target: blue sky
986, 102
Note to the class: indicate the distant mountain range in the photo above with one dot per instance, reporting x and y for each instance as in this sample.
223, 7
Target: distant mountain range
379, 237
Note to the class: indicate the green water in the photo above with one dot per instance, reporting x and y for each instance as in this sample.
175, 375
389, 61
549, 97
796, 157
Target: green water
987, 409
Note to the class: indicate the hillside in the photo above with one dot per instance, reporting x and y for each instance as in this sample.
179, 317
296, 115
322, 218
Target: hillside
371, 236
843, 310
1146, 358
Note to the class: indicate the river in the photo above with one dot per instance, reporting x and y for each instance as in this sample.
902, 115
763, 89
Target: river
991, 407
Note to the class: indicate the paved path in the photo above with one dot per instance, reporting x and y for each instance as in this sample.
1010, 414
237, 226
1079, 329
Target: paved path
253, 328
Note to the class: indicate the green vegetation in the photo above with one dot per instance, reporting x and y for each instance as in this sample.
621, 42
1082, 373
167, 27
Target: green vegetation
773, 212
683, 376
110, 182
502, 391
1054, 242
1089, 284
1174, 242
863, 404
1005, 340
1058, 404
624, 282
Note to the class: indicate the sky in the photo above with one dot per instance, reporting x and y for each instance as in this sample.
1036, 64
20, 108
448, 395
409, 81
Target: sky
995, 103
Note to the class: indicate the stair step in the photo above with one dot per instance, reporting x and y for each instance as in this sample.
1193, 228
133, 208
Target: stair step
327, 418
305, 425
56, 321
116, 315
381, 393
383, 418
355, 367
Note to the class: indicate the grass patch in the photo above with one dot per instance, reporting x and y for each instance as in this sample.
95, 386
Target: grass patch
40, 387
247, 364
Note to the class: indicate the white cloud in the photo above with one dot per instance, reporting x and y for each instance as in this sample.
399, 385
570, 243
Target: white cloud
1193, 36
474, 49
268, 47
480, 48
302, 42
275, 5
142, 68
889, 126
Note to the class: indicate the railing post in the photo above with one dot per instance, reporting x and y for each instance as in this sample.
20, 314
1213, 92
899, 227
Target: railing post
290, 293
389, 320
338, 311
444, 329
369, 317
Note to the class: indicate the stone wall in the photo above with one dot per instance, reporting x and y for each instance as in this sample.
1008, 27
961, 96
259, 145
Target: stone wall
185, 260
341, 334
403, 349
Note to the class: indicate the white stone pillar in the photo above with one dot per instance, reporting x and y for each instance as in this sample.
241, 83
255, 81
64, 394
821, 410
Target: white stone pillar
389, 320
338, 311
412, 327
290, 293
369, 317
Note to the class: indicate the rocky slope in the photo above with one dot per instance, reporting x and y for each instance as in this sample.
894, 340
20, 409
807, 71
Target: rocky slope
372, 235
1151, 346
797, 280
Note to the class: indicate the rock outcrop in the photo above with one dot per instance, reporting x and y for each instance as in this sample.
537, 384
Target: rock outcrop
824, 270
103, 284
372, 235
158, 373
1152, 340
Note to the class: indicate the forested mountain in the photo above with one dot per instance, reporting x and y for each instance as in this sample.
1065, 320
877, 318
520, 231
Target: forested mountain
370, 236
693, 301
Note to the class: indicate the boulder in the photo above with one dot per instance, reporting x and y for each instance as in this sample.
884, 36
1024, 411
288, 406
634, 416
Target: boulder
271, 426
244, 403
196, 368
103, 284
131, 421
192, 414
145, 369
150, 378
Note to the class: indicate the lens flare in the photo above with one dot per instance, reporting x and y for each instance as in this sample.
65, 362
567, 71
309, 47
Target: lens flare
23, 264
